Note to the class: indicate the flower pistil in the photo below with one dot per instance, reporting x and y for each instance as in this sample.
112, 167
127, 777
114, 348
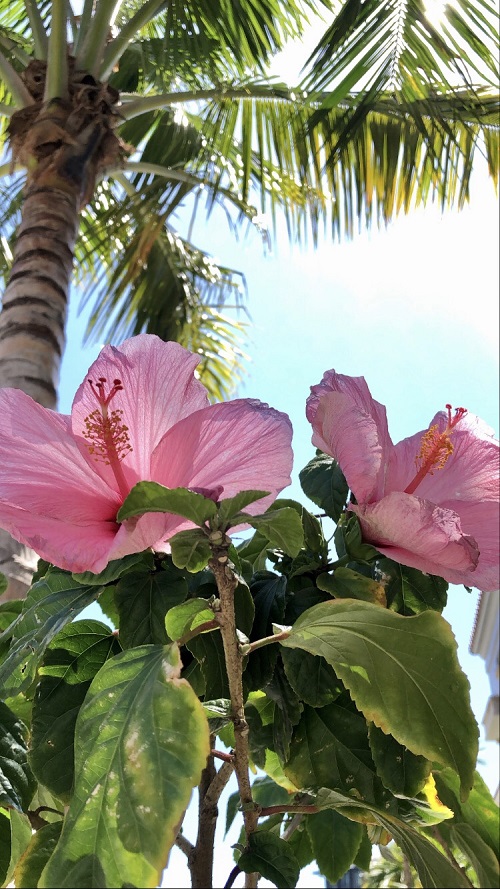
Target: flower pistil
435, 448
107, 435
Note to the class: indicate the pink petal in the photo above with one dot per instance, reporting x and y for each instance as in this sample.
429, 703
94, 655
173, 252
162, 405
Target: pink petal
70, 546
239, 445
351, 426
470, 473
42, 469
481, 520
420, 534
159, 389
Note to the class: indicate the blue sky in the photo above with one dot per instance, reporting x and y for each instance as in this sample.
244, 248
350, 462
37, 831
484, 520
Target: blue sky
413, 309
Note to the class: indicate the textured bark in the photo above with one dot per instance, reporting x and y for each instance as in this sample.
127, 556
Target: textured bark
33, 317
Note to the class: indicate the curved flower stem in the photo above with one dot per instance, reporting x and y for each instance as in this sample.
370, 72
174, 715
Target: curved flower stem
226, 585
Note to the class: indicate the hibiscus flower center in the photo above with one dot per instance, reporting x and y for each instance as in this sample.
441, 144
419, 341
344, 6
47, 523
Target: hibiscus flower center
435, 448
107, 436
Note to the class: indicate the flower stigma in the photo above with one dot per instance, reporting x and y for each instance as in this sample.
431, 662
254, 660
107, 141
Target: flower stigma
107, 436
435, 448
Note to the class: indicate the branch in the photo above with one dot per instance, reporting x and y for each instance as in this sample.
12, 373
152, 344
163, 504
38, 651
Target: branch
14, 84
115, 47
38, 31
219, 782
226, 584
163, 100
184, 845
248, 647
299, 810
90, 54
56, 83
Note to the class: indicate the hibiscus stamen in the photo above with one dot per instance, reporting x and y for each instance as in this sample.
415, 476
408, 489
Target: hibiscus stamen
106, 434
435, 448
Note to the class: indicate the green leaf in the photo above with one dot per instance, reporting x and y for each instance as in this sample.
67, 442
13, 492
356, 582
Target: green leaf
4, 845
229, 507
70, 664
288, 712
208, 650
36, 856
254, 552
282, 527
51, 603
268, 591
364, 853
152, 497
480, 811
20, 837
134, 772
434, 869
186, 617
143, 600
349, 540
311, 677
345, 583
410, 591
191, 550
323, 482
114, 569
335, 842
329, 748
300, 844
401, 771
403, 674
271, 857
482, 858
16, 780
3, 583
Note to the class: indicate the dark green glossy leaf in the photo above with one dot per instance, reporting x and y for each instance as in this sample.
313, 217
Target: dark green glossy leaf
313, 533
229, 507
300, 844
349, 539
410, 591
311, 677
254, 552
186, 617
142, 600
191, 550
134, 772
70, 664
208, 650
36, 856
329, 748
114, 569
364, 853
323, 482
335, 842
51, 603
3, 583
152, 497
20, 837
271, 857
344, 583
287, 713
16, 780
268, 591
282, 527
400, 770
403, 674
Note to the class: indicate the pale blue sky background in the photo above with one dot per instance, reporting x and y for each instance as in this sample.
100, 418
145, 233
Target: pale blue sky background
413, 309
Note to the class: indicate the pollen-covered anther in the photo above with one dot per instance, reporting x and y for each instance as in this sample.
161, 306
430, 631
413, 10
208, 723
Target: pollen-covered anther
106, 433
435, 448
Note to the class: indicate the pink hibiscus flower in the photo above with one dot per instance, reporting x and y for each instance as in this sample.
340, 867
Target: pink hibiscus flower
140, 415
431, 501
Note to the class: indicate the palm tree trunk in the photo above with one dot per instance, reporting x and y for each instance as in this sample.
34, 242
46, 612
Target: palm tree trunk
32, 323
33, 318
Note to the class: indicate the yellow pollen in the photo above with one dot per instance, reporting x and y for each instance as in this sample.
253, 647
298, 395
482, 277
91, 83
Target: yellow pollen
435, 449
107, 435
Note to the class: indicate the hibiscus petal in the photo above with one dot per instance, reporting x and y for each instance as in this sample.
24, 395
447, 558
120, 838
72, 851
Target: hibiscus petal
352, 427
420, 534
159, 389
42, 469
239, 445
471, 473
70, 546
481, 520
